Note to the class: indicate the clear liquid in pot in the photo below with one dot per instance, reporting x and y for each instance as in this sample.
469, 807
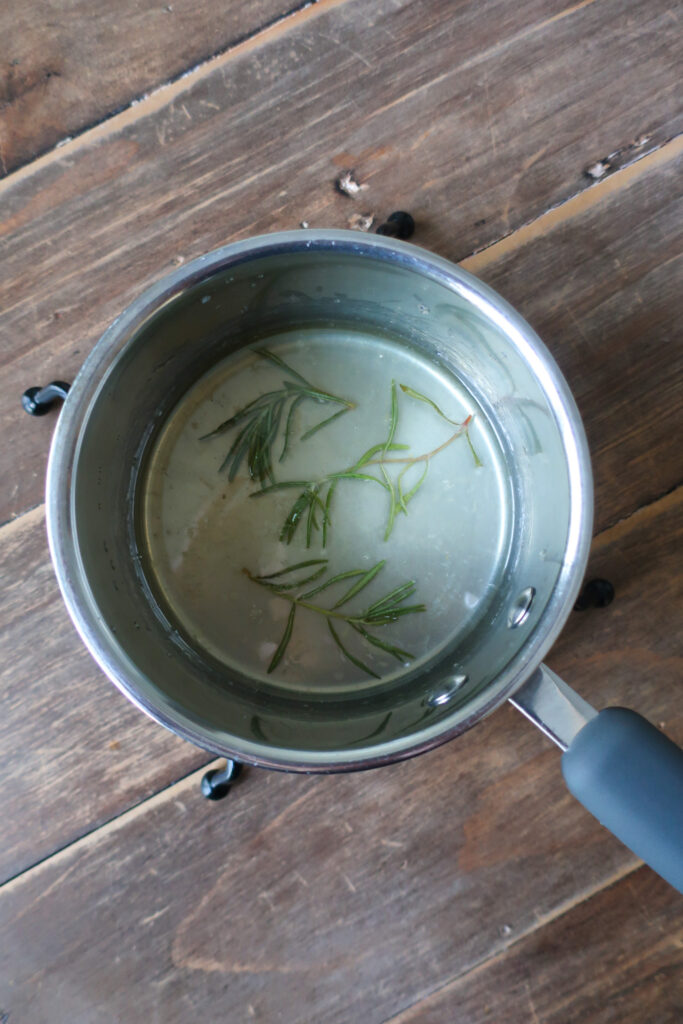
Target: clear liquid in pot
200, 531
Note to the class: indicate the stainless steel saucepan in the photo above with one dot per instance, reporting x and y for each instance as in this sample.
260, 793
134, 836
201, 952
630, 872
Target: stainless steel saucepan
619, 766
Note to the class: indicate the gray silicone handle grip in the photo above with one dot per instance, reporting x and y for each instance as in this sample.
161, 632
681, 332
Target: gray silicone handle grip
629, 775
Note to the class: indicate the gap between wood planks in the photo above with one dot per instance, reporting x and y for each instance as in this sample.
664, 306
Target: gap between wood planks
574, 206
140, 100
166, 93
161, 95
504, 949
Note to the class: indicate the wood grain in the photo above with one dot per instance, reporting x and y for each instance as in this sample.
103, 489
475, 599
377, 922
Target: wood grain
622, 946
465, 882
69, 65
74, 752
476, 117
347, 898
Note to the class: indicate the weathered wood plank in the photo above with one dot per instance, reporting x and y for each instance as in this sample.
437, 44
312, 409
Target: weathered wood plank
67, 66
647, 445
614, 958
476, 117
348, 898
74, 752
607, 300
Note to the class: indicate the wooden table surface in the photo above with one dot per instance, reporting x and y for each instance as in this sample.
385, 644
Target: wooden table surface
536, 144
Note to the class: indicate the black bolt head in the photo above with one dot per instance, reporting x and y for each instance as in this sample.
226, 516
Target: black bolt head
398, 225
597, 593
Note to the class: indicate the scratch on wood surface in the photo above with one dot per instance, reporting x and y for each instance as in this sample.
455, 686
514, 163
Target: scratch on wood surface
208, 965
489, 114
531, 160
59, 880
268, 899
530, 1000
153, 917
486, 55
345, 46
349, 884
574, 319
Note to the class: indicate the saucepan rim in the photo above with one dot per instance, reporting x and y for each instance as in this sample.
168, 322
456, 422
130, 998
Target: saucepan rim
74, 418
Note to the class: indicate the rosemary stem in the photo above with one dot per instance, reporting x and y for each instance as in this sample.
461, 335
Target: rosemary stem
317, 608
409, 461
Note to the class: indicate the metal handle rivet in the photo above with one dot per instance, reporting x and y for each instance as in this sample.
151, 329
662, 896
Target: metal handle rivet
519, 612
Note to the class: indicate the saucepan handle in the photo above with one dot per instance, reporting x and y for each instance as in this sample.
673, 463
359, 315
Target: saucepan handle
629, 775
623, 770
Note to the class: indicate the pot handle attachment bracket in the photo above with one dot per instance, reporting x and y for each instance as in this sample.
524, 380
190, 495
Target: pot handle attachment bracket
217, 782
36, 401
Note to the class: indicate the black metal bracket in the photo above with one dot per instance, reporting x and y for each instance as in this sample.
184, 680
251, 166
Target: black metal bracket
597, 593
398, 225
37, 401
217, 782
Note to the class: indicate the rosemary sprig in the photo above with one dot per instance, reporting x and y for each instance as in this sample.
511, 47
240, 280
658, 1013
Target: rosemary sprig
313, 505
423, 398
383, 612
259, 422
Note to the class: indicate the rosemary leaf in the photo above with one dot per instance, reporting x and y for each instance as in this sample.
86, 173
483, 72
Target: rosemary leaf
293, 568
357, 476
279, 588
239, 415
328, 583
288, 427
311, 520
393, 506
283, 485
384, 617
477, 461
347, 654
423, 398
394, 416
239, 448
290, 568
403, 499
395, 597
327, 522
402, 503
376, 448
286, 637
319, 396
295, 513
319, 426
396, 652
266, 354
360, 585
